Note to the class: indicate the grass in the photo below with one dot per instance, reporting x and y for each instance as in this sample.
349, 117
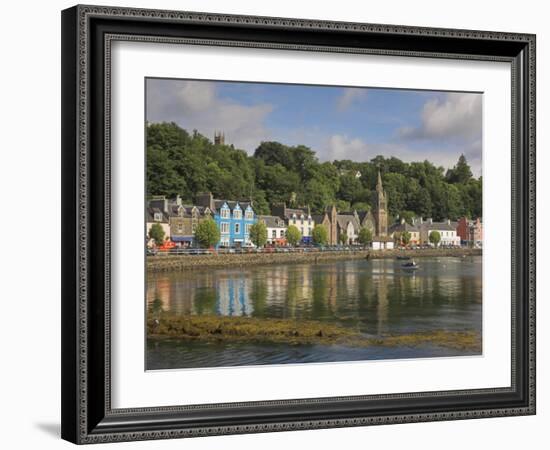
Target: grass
292, 332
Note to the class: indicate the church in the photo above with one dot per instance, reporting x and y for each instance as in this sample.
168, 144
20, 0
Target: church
349, 224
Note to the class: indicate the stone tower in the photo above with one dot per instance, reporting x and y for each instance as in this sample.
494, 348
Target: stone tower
333, 235
380, 209
219, 138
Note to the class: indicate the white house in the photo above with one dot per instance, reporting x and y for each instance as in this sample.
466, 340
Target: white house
276, 229
446, 229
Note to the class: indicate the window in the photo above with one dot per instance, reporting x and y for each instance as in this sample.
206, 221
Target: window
247, 228
274, 233
282, 233
237, 214
158, 217
237, 228
224, 213
224, 226
249, 214
193, 228
180, 227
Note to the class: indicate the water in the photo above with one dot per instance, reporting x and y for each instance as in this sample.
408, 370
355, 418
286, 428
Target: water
373, 297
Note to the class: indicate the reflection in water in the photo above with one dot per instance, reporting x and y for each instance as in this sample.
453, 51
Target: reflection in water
375, 297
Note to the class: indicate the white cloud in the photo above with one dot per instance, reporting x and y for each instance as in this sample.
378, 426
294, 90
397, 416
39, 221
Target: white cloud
197, 105
342, 147
457, 115
349, 96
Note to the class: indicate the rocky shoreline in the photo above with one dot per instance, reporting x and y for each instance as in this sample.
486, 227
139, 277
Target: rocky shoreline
292, 332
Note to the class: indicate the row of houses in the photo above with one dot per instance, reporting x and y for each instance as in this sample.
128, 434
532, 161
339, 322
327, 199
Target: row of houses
234, 219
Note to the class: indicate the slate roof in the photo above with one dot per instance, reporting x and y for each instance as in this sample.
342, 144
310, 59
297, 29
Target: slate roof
318, 218
232, 204
445, 226
400, 227
365, 214
151, 215
272, 221
298, 211
344, 219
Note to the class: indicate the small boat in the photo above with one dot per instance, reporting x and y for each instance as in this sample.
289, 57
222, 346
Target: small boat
403, 257
410, 265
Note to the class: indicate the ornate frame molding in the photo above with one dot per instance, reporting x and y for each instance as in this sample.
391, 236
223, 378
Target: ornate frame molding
85, 421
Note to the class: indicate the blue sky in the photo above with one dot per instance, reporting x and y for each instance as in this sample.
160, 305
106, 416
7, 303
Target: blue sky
336, 122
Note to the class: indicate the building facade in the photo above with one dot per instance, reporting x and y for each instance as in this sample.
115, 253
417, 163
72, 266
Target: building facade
347, 225
233, 218
398, 229
301, 218
470, 232
276, 229
156, 216
446, 229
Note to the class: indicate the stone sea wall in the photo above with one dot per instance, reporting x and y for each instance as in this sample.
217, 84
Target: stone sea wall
161, 263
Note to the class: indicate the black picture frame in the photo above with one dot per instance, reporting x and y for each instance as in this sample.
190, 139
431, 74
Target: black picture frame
87, 416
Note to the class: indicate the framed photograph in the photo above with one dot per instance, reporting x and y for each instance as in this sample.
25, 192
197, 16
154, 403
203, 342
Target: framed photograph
279, 224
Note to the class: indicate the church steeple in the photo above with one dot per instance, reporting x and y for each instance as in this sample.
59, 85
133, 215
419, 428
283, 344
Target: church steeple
379, 205
379, 187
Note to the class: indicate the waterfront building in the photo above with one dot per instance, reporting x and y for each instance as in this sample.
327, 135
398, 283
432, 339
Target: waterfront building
397, 229
301, 218
183, 222
348, 224
233, 218
182, 218
276, 229
156, 215
324, 220
446, 229
470, 231
366, 220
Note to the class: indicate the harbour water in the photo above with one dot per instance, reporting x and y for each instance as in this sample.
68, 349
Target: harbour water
376, 298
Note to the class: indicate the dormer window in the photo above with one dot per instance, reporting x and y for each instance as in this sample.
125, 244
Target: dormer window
237, 214
224, 213
158, 217
249, 214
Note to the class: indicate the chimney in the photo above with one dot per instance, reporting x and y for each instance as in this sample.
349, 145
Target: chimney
205, 199
178, 200
429, 220
448, 221
402, 220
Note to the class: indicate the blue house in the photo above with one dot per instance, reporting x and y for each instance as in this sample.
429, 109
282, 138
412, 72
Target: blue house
234, 219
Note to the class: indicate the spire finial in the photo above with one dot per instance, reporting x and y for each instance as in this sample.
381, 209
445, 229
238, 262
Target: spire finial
379, 183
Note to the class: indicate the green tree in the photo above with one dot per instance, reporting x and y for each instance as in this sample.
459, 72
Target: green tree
156, 233
460, 173
435, 237
343, 238
408, 216
293, 235
320, 235
365, 236
350, 188
258, 234
405, 238
207, 233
